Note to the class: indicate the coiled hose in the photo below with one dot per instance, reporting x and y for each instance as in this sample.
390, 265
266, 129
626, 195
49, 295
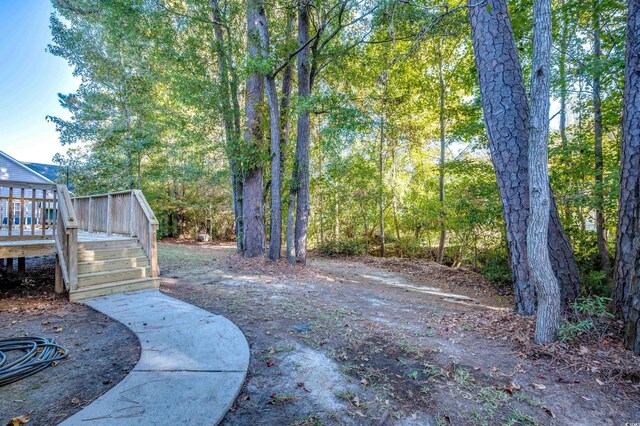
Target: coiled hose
39, 353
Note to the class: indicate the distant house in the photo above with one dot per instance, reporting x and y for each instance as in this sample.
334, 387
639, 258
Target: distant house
13, 170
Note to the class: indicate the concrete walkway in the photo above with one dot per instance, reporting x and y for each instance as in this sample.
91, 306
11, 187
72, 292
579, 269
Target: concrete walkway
191, 368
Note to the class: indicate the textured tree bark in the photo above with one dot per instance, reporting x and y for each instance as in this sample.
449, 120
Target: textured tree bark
548, 292
290, 232
506, 115
603, 253
304, 136
275, 234
627, 261
252, 202
229, 105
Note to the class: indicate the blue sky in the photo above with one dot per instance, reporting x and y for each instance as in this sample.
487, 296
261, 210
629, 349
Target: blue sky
30, 80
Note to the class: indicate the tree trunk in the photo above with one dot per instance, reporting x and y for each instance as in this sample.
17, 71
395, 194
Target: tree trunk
252, 202
290, 233
562, 73
548, 292
603, 253
506, 115
381, 184
443, 231
304, 136
275, 235
228, 99
627, 261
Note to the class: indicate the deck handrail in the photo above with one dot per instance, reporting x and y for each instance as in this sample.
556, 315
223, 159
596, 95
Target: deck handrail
120, 212
66, 238
27, 185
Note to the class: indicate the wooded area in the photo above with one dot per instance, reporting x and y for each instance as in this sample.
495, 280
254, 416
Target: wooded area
390, 128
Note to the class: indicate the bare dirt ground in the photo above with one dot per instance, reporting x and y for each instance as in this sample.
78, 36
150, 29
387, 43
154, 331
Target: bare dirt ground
101, 350
359, 341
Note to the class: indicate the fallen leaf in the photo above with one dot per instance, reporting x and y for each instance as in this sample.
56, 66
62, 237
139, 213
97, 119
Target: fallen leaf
548, 411
270, 363
583, 350
600, 382
360, 413
539, 386
356, 401
75, 400
364, 382
17, 421
57, 329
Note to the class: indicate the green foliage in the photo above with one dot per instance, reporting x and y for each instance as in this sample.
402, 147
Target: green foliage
587, 312
342, 248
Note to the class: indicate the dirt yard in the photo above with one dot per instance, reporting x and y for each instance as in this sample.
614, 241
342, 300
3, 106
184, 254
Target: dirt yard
382, 342
101, 351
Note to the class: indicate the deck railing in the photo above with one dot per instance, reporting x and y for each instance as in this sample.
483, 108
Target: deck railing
27, 210
66, 240
124, 212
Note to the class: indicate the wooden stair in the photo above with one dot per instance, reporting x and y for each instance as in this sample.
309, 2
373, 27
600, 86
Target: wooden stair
113, 266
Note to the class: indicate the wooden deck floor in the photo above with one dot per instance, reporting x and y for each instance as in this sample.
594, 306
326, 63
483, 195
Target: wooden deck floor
44, 246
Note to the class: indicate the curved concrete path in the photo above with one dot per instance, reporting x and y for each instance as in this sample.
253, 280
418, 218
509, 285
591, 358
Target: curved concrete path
191, 368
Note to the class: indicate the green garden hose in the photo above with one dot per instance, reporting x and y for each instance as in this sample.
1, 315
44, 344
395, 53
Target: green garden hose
38, 354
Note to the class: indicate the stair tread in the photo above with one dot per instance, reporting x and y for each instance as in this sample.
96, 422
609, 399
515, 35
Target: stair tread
111, 272
114, 260
114, 284
100, 250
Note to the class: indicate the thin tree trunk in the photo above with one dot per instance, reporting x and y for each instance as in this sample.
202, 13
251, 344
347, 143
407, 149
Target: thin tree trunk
252, 202
597, 119
304, 136
290, 232
548, 292
275, 235
443, 231
627, 260
562, 76
506, 115
381, 184
228, 99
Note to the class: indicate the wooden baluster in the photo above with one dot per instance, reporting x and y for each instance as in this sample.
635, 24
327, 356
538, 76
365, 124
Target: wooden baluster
54, 218
21, 219
109, 199
44, 210
10, 212
90, 216
132, 215
33, 212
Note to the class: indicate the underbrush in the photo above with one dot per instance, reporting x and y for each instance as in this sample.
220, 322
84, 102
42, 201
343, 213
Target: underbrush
587, 318
342, 248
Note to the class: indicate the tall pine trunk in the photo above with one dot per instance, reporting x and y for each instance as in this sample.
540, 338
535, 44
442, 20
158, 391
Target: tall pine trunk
506, 115
252, 201
546, 285
627, 261
304, 136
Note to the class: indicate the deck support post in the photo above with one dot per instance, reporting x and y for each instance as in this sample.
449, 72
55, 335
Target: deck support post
22, 266
9, 265
59, 286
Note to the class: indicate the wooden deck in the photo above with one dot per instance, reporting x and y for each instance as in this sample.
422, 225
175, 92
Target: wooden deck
103, 243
